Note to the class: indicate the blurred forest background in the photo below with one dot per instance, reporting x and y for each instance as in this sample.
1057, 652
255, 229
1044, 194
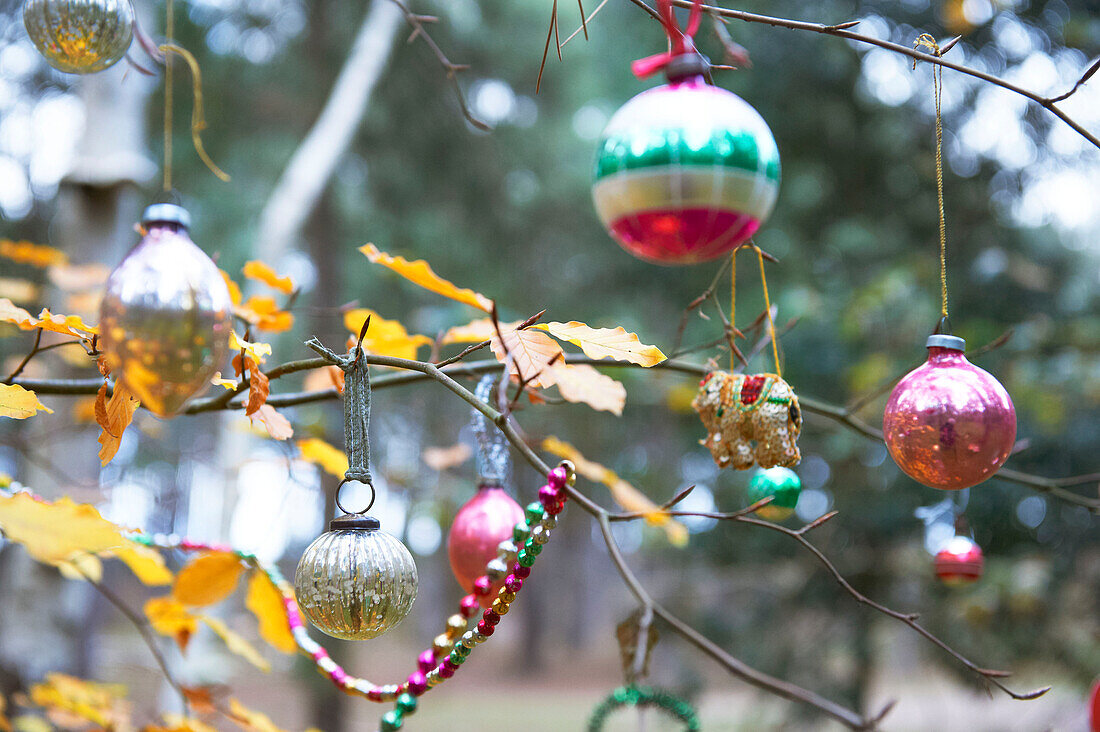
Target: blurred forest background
508, 213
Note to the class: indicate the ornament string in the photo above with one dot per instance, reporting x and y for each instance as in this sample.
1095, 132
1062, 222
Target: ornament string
493, 464
767, 304
927, 41
169, 32
356, 413
198, 118
681, 42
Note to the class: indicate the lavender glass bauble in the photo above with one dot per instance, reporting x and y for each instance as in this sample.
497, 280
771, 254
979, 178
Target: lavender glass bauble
948, 423
479, 527
165, 316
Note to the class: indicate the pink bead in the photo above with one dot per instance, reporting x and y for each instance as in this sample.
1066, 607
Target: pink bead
446, 670
520, 571
426, 661
448, 664
374, 694
557, 477
469, 606
513, 583
482, 585
491, 617
549, 494
339, 676
417, 683
484, 628
319, 654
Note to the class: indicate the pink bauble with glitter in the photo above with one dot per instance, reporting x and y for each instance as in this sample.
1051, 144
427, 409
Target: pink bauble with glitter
479, 527
959, 562
949, 424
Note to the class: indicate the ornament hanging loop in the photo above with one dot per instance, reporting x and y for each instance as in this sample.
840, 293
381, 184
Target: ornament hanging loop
927, 41
356, 413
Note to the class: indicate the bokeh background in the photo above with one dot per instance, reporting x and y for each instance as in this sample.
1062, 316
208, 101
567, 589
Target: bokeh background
508, 213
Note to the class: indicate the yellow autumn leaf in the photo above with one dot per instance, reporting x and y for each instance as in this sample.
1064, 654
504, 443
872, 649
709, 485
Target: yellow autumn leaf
37, 255
21, 291
602, 343
420, 272
102, 704
476, 331
266, 602
145, 562
256, 351
583, 384
232, 286
262, 312
65, 324
218, 380
626, 495
385, 337
331, 459
82, 567
113, 416
5, 723
249, 719
530, 354
169, 617
277, 426
236, 644
208, 579
53, 533
19, 403
179, 723
261, 272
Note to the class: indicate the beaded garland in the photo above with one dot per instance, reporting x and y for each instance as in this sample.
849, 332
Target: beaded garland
451, 648
644, 696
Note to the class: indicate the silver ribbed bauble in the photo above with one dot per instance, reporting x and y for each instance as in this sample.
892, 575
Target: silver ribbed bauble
166, 315
80, 36
355, 581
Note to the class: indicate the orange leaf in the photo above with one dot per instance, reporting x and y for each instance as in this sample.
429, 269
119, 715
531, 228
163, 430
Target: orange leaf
442, 458
259, 387
385, 337
19, 403
475, 331
250, 720
266, 603
114, 416
73, 702
261, 272
584, 384
145, 562
329, 377
70, 325
208, 579
601, 343
234, 288
626, 495
169, 617
262, 312
83, 410
179, 723
276, 424
37, 255
420, 272
331, 459
531, 354
5, 724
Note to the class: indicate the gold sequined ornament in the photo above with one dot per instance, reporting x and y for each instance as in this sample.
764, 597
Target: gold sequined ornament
166, 314
750, 420
80, 36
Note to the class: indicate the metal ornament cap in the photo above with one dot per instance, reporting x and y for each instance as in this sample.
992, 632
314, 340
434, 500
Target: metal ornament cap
166, 213
942, 340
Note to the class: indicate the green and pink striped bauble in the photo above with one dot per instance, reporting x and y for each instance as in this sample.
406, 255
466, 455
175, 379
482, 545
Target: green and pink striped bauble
685, 172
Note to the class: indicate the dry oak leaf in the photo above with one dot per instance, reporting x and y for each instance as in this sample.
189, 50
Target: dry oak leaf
331, 459
420, 273
19, 403
531, 353
626, 495
248, 719
169, 617
583, 384
259, 388
36, 255
113, 416
256, 351
266, 602
276, 424
384, 337
21, 291
262, 312
102, 704
236, 644
54, 533
83, 410
442, 458
208, 579
262, 272
232, 286
602, 343
328, 377
70, 325
476, 331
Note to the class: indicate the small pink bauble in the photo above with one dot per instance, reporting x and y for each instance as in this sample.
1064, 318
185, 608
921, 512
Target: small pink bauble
949, 424
960, 562
479, 527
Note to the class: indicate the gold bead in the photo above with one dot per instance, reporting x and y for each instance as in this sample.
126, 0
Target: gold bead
500, 607
456, 626
442, 644
506, 596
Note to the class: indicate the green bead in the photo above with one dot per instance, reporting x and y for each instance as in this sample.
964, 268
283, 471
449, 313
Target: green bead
457, 658
461, 649
532, 548
391, 721
520, 534
534, 513
525, 559
406, 703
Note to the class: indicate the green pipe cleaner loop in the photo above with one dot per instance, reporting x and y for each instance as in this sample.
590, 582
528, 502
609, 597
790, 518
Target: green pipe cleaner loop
644, 696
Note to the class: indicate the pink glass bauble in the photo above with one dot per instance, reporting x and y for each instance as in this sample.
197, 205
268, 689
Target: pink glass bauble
685, 172
949, 424
960, 562
1094, 707
165, 316
479, 527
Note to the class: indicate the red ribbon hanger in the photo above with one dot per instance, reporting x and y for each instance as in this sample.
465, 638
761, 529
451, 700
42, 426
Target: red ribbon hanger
682, 41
